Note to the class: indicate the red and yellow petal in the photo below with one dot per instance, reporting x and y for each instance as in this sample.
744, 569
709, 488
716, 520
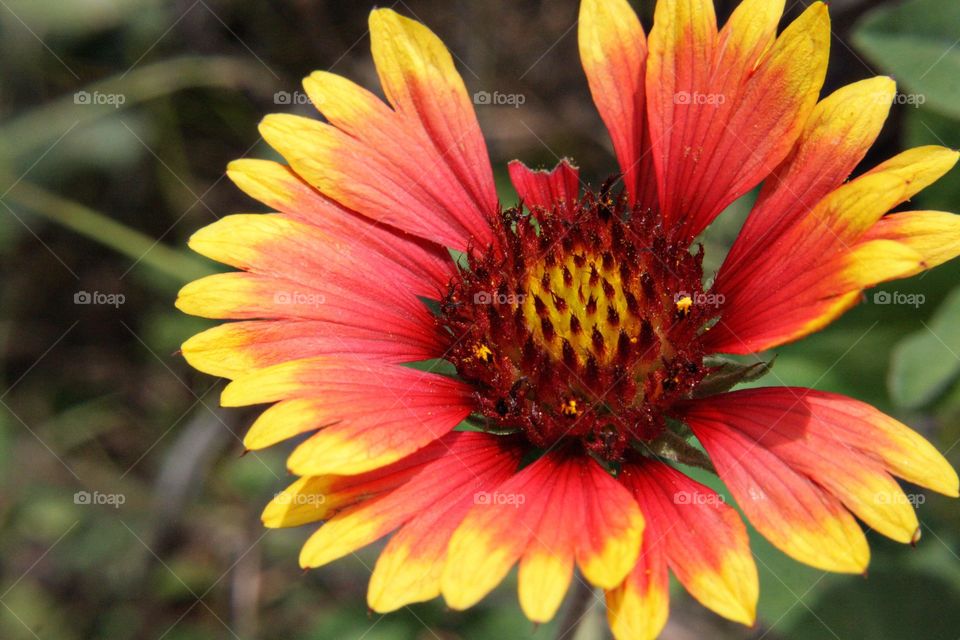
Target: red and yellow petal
704, 541
388, 187
249, 296
422, 83
472, 462
280, 188
792, 289
546, 189
613, 51
410, 567
516, 525
899, 449
367, 416
609, 537
236, 348
279, 246
421, 166
638, 608
837, 136
789, 509
774, 445
725, 109
315, 498
546, 567
934, 235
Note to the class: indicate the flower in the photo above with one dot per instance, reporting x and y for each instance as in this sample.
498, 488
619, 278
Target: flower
573, 335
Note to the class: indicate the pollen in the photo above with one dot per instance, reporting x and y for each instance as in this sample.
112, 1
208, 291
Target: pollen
587, 312
578, 305
482, 352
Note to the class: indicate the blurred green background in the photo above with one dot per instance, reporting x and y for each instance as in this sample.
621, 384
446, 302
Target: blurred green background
126, 510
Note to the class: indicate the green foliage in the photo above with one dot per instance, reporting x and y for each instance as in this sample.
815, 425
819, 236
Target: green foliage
916, 42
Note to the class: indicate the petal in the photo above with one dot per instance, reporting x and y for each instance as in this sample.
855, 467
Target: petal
761, 310
609, 536
390, 184
282, 189
280, 246
410, 567
613, 51
473, 462
817, 296
789, 509
546, 567
520, 520
401, 141
315, 498
420, 80
783, 421
857, 425
704, 540
935, 235
719, 130
546, 189
638, 608
234, 349
837, 136
247, 296
368, 415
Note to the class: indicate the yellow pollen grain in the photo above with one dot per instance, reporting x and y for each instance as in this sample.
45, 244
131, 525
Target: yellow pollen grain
684, 304
482, 352
572, 300
570, 407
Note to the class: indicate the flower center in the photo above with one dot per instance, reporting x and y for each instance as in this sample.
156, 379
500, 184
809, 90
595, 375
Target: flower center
580, 304
578, 323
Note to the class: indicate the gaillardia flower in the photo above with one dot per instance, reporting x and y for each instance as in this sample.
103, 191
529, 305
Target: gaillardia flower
569, 353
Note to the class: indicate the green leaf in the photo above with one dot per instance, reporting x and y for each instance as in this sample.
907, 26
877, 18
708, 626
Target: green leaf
891, 605
916, 42
925, 362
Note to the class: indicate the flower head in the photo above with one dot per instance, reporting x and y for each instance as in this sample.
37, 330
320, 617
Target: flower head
572, 335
